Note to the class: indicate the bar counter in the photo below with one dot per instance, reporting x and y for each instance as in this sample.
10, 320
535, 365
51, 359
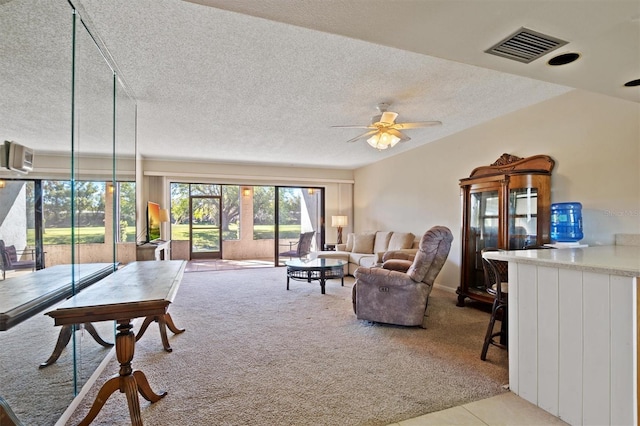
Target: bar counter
573, 331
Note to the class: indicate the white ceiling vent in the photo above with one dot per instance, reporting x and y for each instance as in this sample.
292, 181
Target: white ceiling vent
526, 45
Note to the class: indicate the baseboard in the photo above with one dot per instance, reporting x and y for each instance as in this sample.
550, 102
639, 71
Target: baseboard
445, 288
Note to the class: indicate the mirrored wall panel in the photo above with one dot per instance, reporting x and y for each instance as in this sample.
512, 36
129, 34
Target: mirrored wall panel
69, 220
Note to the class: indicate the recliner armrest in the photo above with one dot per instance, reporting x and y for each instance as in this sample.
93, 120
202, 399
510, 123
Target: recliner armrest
382, 277
401, 265
406, 254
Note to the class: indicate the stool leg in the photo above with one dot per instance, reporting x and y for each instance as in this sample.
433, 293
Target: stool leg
487, 337
504, 327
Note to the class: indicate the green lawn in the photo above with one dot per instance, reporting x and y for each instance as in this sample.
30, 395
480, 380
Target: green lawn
95, 234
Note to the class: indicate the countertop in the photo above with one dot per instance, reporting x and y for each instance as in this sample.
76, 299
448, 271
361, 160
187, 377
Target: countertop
612, 260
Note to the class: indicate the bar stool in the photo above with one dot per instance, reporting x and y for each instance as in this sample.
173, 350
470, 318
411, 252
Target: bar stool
495, 279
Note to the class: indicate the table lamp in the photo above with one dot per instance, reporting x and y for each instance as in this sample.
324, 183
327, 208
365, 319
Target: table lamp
339, 222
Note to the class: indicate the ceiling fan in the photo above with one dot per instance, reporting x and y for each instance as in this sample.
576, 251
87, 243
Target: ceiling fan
384, 132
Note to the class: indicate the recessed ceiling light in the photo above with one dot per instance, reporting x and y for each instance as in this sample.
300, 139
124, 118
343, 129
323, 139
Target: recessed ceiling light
632, 83
565, 58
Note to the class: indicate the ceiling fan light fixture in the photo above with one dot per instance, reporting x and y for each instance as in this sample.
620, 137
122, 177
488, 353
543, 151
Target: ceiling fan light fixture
383, 140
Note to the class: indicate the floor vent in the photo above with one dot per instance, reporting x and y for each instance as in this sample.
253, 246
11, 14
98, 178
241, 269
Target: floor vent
525, 45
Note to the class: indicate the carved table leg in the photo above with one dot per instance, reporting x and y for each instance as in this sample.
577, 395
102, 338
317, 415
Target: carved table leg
7, 416
128, 381
94, 333
65, 336
148, 320
63, 341
163, 321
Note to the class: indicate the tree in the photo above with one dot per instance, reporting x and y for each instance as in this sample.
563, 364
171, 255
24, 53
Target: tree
56, 203
230, 205
127, 202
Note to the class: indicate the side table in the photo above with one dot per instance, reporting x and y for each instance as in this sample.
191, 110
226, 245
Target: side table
330, 246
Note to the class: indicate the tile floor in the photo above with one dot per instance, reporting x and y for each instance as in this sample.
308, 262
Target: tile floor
503, 409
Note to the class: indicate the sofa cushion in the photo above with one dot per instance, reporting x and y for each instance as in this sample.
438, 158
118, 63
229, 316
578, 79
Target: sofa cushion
331, 254
350, 237
401, 240
362, 259
381, 242
363, 243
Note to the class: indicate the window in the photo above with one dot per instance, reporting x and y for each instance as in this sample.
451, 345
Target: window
180, 193
264, 212
125, 198
88, 212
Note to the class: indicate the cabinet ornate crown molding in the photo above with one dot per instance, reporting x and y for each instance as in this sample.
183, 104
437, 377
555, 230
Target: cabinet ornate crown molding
508, 163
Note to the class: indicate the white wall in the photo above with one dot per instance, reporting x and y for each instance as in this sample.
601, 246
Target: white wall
594, 139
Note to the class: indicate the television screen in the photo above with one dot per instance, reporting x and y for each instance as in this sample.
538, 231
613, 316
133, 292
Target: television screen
153, 221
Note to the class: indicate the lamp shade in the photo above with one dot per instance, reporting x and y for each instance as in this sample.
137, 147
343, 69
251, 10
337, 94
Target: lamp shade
164, 215
339, 221
383, 140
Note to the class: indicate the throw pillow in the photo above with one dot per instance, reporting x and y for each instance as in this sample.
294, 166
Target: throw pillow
363, 243
349, 242
382, 241
11, 252
401, 240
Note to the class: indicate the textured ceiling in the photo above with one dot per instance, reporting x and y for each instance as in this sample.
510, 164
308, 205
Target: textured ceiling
263, 81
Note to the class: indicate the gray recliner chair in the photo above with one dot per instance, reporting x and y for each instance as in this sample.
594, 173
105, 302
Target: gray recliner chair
398, 292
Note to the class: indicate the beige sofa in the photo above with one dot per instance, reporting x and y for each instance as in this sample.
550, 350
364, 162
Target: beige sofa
367, 248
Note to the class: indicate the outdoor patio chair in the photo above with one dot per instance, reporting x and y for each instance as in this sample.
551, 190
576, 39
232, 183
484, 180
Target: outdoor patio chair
300, 248
9, 259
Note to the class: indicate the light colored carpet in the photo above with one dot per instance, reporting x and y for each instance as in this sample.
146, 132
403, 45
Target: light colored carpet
40, 396
255, 353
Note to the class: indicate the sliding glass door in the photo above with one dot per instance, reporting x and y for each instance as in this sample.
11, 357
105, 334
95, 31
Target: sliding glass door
299, 212
205, 230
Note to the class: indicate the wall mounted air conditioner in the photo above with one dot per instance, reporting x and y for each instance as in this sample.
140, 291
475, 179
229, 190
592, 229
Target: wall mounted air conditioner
16, 157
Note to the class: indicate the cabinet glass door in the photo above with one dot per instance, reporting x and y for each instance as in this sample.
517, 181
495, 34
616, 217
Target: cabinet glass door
523, 220
484, 208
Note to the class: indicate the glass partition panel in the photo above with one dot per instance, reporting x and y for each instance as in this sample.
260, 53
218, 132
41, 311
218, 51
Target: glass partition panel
122, 190
92, 164
60, 97
35, 111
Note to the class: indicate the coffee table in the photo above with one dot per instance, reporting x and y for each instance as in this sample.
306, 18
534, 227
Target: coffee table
319, 270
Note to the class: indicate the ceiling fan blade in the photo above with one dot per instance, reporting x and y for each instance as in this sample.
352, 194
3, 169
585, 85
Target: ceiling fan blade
363, 136
416, 125
402, 136
388, 117
355, 126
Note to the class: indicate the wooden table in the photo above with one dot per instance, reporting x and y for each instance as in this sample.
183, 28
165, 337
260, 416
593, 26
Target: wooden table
23, 296
140, 289
26, 295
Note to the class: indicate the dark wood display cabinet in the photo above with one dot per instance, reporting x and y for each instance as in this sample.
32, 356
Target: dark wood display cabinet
506, 205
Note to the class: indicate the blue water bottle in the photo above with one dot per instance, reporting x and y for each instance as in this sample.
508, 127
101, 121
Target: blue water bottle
566, 222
